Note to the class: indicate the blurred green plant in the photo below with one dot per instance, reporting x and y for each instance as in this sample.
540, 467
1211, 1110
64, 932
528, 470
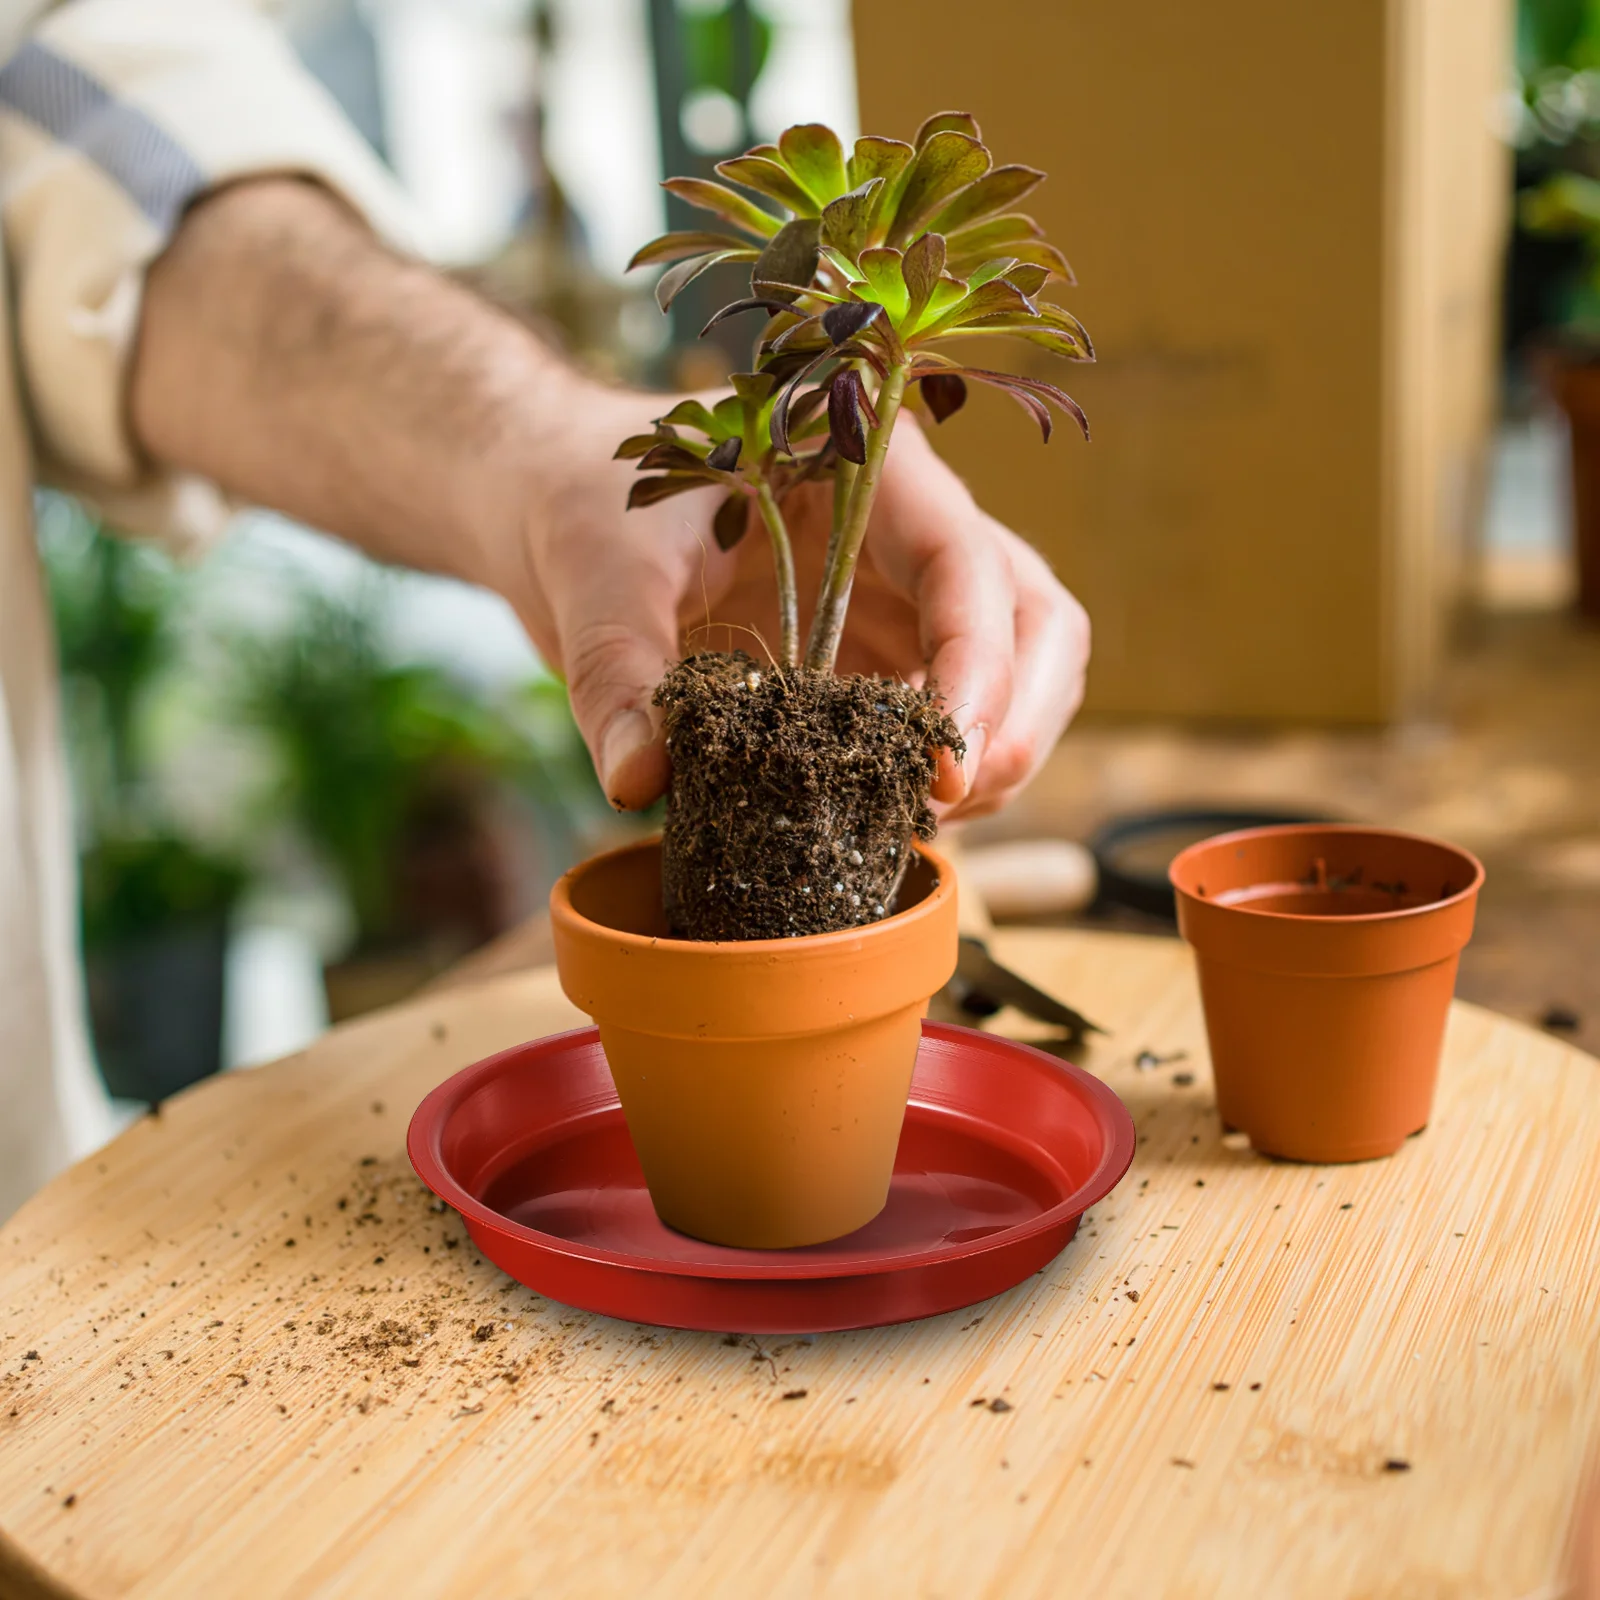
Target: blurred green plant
115, 606
372, 754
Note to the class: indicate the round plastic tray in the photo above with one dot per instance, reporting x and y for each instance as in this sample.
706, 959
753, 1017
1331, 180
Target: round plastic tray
1004, 1148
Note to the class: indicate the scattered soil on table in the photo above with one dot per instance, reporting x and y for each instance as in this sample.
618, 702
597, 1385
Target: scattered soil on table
795, 796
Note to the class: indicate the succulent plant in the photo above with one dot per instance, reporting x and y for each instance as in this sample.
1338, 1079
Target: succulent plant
880, 261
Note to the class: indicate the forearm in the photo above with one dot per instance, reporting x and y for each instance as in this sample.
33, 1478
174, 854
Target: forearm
287, 356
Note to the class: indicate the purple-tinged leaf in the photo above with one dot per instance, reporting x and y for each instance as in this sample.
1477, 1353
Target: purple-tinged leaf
675, 246
847, 221
790, 261
807, 334
944, 393
994, 192
732, 519
1034, 389
812, 152
1054, 340
924, 261
994, 237
843, 323
647, 491
631, 449
882, 269
944, 166
1028, 277
785, 364
724, 456
674, 279
1044, 254
725, 203
780, 409
879, 158
739, 307
805, 408
671, 458
949, 122
767, 177
846, 426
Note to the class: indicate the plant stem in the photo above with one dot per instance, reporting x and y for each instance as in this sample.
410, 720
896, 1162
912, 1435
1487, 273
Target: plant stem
783, 566
828, 627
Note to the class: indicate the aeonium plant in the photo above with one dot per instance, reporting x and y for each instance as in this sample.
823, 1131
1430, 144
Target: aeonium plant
880, 276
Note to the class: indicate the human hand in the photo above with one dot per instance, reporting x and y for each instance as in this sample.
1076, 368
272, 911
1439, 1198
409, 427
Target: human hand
944, 595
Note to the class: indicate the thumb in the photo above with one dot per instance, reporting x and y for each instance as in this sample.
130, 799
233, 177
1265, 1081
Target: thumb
612, 669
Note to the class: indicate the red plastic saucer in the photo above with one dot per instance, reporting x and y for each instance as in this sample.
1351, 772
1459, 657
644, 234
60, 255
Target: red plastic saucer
1004, 1148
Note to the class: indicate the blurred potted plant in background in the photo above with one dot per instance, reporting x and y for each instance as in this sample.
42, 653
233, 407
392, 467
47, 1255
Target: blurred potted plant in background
155, 902
419, 793
1553, 281
1568, 204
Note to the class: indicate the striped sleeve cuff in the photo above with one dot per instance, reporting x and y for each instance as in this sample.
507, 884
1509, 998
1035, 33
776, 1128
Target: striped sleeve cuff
114, 116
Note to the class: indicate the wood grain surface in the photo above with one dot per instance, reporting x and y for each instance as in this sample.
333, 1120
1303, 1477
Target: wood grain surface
242, 1353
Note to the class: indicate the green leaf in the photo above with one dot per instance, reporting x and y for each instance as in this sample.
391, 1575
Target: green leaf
675, 246
951, 122
812, 152
790, 259
731, 521
996, 191
646, 491
879, 158
752, 387
991, 270
992, 299
921, 267
847, 221
884, 281
766, 177
729, 415
692, 414
731, 207
673, 280
944, 166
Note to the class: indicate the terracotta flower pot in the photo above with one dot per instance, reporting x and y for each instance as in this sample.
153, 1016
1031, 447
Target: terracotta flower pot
764, 1083
1327, 959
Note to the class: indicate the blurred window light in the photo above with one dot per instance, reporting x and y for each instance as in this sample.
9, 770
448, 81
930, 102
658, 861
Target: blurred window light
712, 121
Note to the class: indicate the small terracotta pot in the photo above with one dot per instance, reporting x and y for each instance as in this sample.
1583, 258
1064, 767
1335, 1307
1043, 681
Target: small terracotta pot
764, 1083
1327, 959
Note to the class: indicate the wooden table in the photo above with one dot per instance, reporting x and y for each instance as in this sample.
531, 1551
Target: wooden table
243, 1353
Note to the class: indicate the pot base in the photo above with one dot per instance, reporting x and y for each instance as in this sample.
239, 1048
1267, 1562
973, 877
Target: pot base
1004, 1148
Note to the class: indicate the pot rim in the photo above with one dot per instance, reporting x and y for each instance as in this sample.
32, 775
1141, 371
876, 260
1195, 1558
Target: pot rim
426, 1130
1360, 919
563, 910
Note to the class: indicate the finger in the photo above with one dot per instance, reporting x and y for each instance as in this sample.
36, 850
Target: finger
1052, 654
618, 633
945, 556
